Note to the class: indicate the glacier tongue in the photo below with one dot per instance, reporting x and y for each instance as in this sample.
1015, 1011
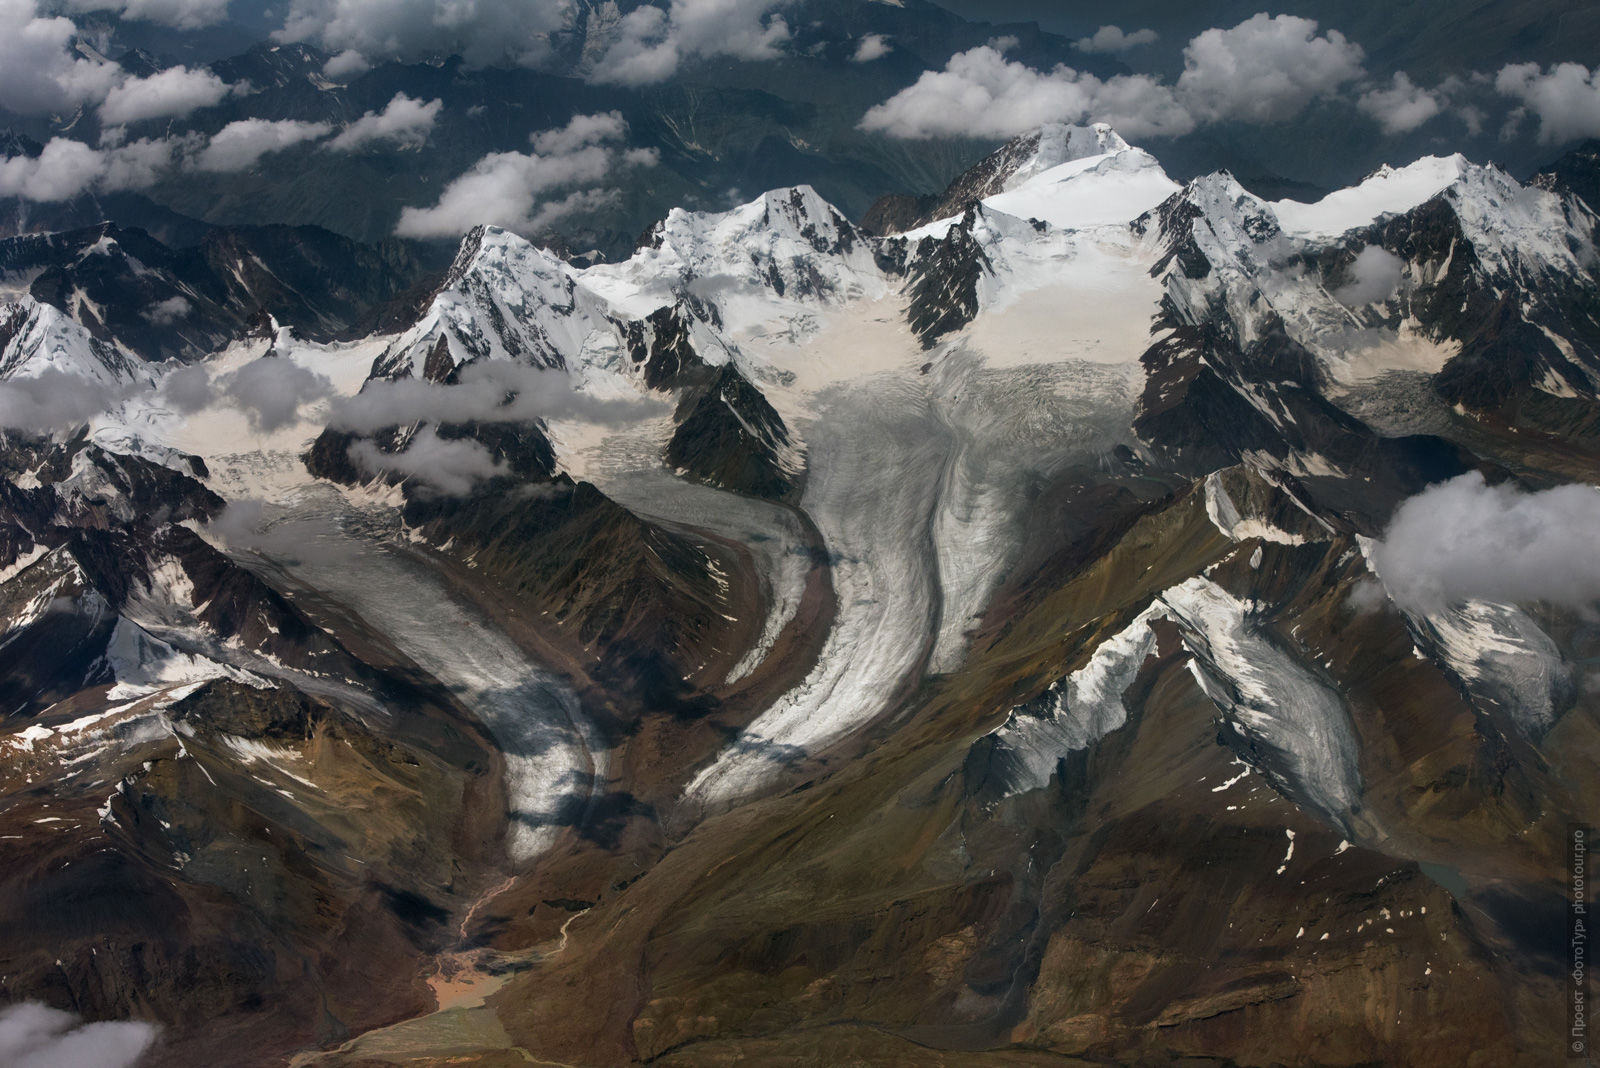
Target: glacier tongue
1502, 657
555, 760
876, 463
1271, 700
917, 476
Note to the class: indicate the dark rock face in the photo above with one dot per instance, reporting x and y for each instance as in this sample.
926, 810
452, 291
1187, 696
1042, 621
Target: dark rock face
21, 218
1204, 409
1503, 315
111, 531
661, 347
733, 438
895, 213
943, 281
205, 877
523, 447
318, 282
329, 458
205, 880
617, 583
984, 178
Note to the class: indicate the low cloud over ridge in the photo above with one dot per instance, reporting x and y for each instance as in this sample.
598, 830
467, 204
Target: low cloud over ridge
66, 168
1113, 39
1466, 540
489, 391
36, 1036
171, 93
240, 145
403, 121
449, 467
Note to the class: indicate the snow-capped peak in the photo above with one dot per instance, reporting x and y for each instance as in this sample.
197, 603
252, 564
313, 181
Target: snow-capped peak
492, 249
1509, 223
1069, 176
37, 337
1056, 143
1386, 191
788, 245
504, 298
800, 212
1102, 189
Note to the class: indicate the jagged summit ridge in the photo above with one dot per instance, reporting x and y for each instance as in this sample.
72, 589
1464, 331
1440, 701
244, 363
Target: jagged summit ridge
1030, 154
503, 298
1070, 176
787, 245
37, 338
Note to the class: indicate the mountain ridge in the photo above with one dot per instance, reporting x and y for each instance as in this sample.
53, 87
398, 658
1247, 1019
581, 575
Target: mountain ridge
730, 624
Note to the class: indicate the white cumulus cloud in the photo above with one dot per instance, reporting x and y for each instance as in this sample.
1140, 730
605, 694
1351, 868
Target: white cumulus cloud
581, 131
980, 93
404, 121
36, 1036
529, 191
179, 14
1262, 70
172, 93
1566, 98
66, 168
651, 42
483, 32
1265, 69
872, 46
1113, 39
239, 145
347, 64
38, 72
1466, 540
1401, 106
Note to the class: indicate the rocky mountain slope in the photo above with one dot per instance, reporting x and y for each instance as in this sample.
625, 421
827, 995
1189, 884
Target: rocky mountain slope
965, 639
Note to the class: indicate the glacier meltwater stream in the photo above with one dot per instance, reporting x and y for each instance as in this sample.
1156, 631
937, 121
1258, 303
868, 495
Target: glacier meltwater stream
554, 762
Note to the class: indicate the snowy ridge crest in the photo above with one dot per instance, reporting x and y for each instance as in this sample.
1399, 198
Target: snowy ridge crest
36, 338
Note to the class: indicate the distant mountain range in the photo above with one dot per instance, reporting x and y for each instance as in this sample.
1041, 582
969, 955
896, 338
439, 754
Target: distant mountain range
724, 128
